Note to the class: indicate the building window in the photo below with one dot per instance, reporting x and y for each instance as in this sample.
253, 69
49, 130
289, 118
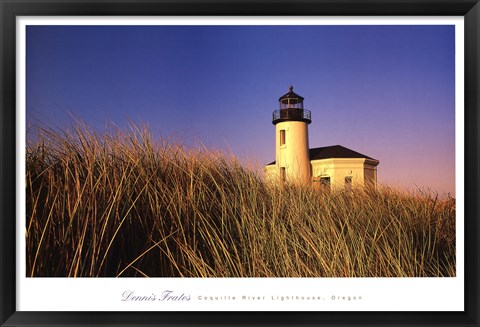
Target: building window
282, 137
348, 182
325, 183
283, 175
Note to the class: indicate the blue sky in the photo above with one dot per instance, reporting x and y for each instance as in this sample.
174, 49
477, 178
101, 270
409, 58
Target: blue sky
385, 91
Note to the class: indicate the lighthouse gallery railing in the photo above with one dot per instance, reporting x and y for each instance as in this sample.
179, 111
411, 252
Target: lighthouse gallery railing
291, 114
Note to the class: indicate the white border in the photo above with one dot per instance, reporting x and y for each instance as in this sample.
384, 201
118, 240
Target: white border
331, 294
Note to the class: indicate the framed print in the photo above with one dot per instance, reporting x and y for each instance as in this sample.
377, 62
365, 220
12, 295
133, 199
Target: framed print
198, 163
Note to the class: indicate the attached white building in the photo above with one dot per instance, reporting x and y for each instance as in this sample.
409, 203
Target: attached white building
332, 166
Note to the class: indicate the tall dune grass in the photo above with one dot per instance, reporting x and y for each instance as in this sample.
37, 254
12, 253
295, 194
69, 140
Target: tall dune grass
122, 204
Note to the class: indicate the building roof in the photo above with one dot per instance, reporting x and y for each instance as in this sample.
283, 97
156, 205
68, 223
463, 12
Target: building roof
333, 151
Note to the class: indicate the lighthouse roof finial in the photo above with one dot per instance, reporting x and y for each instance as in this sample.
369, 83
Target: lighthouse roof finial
291, 95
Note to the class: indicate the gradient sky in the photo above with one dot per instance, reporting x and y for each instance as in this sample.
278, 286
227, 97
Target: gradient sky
385, 91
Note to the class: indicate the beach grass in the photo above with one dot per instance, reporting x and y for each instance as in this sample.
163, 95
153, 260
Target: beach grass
121, 203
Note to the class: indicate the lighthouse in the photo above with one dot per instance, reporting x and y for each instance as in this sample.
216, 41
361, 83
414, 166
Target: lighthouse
291, 122
327, 167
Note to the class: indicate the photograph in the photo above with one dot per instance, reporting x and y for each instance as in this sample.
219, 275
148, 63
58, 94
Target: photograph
240, 151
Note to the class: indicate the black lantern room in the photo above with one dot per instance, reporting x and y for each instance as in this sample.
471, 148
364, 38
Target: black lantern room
291, 109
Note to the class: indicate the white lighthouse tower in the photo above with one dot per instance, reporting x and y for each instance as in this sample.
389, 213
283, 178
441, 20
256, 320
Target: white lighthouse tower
291, 140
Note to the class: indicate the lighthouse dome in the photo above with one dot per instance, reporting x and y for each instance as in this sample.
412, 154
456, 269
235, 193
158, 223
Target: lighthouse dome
291, 96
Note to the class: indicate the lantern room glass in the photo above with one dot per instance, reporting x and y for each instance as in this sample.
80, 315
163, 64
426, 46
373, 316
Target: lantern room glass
289, 103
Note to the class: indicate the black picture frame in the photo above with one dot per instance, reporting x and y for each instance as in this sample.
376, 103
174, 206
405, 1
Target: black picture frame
9, 9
